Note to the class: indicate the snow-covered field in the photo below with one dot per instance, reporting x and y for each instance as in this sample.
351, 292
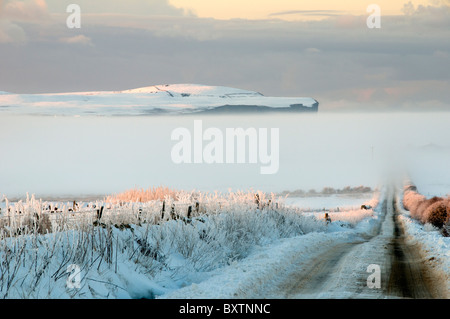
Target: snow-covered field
339, 207
334, 202
138, 253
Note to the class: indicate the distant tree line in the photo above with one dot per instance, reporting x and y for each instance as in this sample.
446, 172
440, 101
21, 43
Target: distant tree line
328, 191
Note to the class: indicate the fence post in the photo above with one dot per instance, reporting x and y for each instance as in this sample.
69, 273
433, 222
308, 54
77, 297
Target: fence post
189, 212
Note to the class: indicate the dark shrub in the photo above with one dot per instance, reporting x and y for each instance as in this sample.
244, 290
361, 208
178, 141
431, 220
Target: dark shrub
421, 211
437, 214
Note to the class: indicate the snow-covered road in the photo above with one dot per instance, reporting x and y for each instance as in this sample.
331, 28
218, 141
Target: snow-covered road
339, 264
343, 270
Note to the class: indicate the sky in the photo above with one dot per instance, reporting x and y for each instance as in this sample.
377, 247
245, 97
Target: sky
321, 49
284, 9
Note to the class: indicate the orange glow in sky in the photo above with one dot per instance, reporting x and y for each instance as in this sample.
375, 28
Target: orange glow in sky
263, 9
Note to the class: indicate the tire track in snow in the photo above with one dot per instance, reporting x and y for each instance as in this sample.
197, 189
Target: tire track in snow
341, 270
313, 278
409, 278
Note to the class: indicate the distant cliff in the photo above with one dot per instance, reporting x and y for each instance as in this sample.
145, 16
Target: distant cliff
158, 99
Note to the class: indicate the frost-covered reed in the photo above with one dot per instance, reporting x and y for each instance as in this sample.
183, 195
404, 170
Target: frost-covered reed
180, 234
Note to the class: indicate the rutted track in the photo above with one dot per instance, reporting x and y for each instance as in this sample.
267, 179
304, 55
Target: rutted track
409, 277
313, 279
340, 271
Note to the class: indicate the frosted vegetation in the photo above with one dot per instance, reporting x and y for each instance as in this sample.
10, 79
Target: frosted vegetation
154, 238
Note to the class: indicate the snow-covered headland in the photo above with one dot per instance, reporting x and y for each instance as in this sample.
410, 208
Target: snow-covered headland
158, 99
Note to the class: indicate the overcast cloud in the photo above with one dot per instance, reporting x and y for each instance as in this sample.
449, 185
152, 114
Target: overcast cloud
338, 60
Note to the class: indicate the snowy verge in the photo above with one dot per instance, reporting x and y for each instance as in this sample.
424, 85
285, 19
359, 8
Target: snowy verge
242, 279
433, 246
251, 277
